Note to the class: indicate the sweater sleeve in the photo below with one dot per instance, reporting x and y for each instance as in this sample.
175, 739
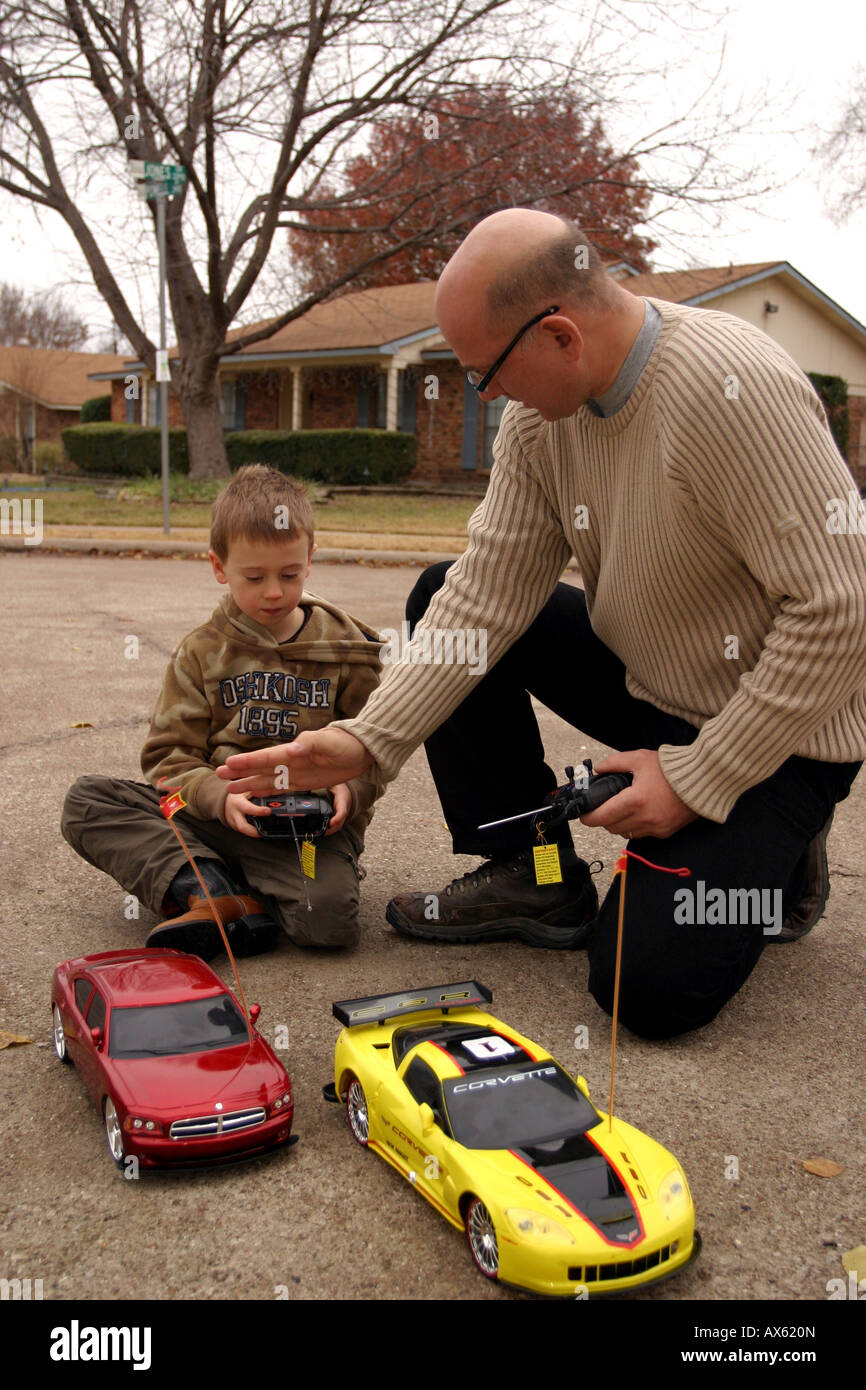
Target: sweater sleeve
357, 683
516, 554
763, 470
176, 750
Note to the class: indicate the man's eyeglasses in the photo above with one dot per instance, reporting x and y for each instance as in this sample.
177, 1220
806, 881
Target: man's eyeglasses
480, 382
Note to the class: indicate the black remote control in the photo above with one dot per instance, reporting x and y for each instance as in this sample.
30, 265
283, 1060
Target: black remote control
577, 797
304, 815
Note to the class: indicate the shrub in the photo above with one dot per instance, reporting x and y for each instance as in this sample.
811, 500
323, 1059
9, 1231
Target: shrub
833, 391
8, 453
96, 408
130, 450
47, 456
328, 456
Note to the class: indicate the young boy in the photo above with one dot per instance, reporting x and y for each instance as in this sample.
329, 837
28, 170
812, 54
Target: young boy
271, 662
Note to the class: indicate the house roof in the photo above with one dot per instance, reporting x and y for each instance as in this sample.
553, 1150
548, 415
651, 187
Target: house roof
696, 287
687, 286
367, 319
54, 377
378, 321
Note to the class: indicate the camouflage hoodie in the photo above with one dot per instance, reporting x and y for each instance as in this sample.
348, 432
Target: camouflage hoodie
231, 687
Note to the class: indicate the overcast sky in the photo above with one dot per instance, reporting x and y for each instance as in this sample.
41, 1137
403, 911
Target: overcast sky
793, 46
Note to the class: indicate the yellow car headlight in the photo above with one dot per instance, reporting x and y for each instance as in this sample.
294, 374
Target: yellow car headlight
674, 1195
536, 1225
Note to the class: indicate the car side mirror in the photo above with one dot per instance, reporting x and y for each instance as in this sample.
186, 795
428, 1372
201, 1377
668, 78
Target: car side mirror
582, 1085
96, 1035
428, 1119
255, 1010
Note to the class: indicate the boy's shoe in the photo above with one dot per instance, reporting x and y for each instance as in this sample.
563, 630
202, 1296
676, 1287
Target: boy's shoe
501, 901
248, 927
811, 906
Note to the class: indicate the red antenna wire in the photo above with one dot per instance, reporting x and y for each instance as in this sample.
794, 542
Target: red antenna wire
620, 868
170, 804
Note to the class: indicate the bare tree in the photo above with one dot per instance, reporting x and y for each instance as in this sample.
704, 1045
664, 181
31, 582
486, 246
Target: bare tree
844, 152
39, 320
263, 104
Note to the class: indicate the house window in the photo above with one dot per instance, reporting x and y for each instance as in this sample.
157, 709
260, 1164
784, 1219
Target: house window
372, 401
153, 395
407, 400
492, 416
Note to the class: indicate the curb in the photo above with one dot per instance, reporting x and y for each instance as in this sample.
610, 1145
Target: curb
72, 545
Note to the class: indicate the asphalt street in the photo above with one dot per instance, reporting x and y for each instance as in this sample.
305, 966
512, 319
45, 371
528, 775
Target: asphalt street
775, 1080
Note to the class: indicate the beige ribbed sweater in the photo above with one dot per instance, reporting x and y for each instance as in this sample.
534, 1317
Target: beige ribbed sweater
706, 520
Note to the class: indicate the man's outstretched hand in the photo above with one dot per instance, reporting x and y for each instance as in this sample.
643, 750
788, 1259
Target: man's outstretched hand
320, 758
650, 806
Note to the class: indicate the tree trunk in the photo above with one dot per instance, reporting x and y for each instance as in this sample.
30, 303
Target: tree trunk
199, 393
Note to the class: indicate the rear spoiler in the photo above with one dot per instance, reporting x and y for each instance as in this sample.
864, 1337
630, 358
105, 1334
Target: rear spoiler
375, 1008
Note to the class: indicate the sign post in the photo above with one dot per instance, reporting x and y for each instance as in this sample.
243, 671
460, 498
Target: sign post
161, 181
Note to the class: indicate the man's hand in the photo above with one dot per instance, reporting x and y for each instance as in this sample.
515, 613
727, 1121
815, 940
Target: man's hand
237, 808
320, 758
650, 806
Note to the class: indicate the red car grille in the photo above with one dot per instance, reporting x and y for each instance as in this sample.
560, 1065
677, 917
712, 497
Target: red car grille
217, 1124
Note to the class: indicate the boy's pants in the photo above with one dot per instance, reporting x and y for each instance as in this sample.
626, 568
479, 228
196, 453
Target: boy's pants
117, 826
487, 760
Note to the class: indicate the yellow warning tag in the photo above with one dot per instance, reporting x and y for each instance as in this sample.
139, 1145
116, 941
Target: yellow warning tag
547, 868
308, 858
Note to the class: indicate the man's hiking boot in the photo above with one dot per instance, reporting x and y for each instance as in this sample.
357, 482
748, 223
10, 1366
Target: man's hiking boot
248, 927
811, 906
501, 901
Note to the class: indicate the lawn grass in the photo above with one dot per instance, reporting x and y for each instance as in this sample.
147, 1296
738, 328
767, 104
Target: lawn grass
139, 504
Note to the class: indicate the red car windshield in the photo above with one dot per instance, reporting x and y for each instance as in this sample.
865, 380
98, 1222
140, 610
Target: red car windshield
162, 1030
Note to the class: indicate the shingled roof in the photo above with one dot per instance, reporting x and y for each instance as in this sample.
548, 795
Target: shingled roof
684, 286
54, 377
365, 319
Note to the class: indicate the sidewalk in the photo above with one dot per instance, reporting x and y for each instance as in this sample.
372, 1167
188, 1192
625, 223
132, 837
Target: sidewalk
192, 542
335, 547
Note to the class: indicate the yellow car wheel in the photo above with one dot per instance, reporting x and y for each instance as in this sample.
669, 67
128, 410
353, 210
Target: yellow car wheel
481, 1235
357, 1112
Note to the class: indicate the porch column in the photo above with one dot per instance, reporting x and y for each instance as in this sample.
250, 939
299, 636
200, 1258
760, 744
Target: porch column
391, 400
297, 399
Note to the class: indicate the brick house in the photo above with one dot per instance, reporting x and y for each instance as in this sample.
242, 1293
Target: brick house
42, 391
376, 358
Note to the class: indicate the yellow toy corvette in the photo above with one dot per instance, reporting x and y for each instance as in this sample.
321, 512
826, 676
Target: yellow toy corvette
501, 1140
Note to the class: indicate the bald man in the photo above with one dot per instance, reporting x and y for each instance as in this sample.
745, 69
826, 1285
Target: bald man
685, 461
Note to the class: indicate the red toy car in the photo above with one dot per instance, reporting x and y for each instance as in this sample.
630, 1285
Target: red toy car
164, 1049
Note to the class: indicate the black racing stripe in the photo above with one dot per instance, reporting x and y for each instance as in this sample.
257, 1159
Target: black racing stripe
585, 1178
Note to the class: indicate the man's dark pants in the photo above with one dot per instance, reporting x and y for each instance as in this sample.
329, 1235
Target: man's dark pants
488, 762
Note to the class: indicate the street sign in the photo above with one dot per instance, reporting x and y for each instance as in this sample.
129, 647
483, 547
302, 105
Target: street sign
157, 180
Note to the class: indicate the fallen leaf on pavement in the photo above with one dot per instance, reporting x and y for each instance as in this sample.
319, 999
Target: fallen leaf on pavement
854, 1262
823, 1167
10, 1039
81, 724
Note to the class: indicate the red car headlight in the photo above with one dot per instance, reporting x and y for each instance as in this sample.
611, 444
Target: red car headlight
282, 1103
140, 1124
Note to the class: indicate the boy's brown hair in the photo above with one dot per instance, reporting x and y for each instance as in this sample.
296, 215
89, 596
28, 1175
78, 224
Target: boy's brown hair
260, 504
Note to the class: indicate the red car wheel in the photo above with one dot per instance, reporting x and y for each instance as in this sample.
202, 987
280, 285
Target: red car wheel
113, 1131
59, 1036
